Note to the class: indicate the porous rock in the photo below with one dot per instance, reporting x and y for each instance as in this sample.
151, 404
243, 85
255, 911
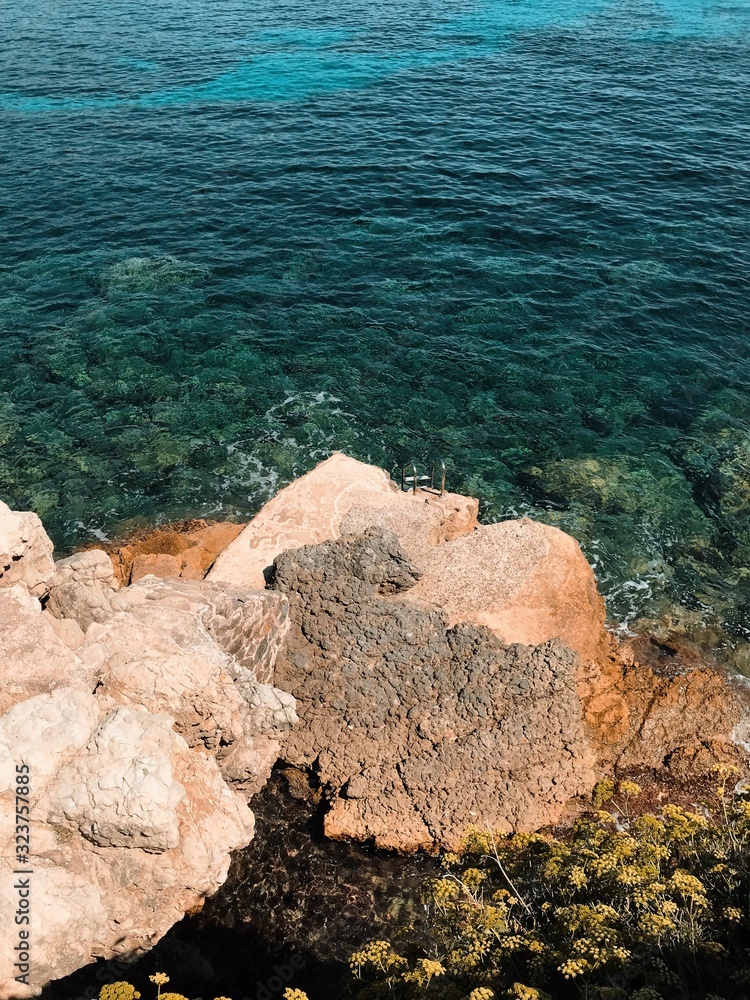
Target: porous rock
527, 582
417, 729
25, 551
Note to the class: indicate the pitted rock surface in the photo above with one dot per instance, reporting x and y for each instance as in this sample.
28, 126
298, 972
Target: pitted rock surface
417, 730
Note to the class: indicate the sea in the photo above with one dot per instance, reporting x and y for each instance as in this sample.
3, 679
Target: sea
512, 236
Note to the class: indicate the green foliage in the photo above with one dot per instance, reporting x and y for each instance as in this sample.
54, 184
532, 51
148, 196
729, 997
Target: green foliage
627, 907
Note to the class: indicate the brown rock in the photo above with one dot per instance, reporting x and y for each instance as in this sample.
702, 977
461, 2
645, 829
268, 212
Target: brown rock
339, 495
690, 763
162, 565
671, 713
417, 729
193, 545
527, 582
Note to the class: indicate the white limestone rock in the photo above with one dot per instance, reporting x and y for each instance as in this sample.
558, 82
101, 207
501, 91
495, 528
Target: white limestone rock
83, 587
25, 551
120, 791
33, 657
130, 828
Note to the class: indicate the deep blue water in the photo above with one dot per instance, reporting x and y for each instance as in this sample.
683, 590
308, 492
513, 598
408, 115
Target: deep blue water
512, 233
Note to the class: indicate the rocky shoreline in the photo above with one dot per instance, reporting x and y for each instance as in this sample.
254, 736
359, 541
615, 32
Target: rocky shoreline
417, 671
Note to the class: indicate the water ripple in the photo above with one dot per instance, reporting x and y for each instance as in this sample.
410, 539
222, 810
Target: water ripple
514, 235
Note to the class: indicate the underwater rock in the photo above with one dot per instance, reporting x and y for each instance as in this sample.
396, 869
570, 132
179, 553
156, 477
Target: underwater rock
647, 486
147, 274
25, 551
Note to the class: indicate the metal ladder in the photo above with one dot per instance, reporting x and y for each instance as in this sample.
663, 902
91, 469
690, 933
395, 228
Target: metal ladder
415, 481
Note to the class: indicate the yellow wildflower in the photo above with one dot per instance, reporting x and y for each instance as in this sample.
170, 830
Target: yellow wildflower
119, 991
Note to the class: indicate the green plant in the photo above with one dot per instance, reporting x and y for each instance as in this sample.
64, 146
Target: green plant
626, 907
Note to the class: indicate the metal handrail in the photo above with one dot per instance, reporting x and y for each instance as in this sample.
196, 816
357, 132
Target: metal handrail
442, 477
414, 480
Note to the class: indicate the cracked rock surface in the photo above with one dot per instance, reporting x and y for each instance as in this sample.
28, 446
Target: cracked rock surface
137, 715
415, 729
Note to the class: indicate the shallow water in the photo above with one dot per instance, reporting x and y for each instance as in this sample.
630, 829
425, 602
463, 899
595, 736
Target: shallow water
513, 234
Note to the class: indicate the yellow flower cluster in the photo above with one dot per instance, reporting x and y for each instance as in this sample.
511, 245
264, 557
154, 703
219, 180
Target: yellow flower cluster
119, 991
423, 972
619, 892
520, 992
290, 994
377, 954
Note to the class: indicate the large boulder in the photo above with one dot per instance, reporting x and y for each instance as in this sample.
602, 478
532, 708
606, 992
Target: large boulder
131, 733
33, 657
25, 551
416, 729
83, 587
339, 495
160, 656
526, 581
129, 829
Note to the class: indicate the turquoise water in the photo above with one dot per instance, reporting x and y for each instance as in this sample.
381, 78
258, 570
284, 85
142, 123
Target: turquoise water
514, 234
